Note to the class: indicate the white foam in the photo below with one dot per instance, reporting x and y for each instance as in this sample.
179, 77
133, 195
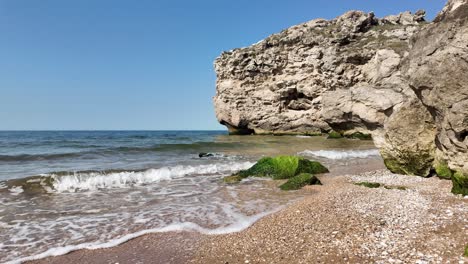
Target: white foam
243, 223
302, 136
97, 181
16, 190
341, 154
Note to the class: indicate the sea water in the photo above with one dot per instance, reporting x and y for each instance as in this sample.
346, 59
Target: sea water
66, 190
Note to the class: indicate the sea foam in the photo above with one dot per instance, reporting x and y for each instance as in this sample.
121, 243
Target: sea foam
242, 223
341, 154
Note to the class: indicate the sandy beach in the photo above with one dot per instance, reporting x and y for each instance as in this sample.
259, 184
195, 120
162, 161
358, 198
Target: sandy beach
337, 222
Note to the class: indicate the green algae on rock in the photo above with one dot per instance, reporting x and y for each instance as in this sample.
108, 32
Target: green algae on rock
378, 185
283, 167
460, 183
233, 179
299, 181
465, 254
401, 188
443, 171
368, 184
418, 164
277, 168
334, 135
359, 135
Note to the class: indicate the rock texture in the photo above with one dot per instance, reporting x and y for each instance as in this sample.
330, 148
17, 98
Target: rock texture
398, 78
320, 76
437, 70
316, 76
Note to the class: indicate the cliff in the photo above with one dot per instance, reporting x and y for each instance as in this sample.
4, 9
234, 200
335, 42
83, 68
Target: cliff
398, 78
295, 81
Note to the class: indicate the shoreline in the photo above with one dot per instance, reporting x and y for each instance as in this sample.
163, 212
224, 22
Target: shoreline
338, 221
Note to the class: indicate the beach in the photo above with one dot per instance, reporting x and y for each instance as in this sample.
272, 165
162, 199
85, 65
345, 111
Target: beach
148, 133
65, 191
337, 222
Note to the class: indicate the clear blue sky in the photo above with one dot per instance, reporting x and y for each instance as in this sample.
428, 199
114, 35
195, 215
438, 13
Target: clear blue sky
110, 64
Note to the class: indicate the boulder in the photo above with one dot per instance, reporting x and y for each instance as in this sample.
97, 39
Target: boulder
437, 67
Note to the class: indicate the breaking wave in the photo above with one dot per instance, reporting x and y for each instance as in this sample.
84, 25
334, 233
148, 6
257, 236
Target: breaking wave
96, 181
64, 181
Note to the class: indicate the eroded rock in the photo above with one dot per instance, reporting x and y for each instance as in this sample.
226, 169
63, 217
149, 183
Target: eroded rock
284, 84
437, 70
398, 78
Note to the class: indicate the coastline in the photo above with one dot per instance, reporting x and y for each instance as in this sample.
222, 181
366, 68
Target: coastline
338, 222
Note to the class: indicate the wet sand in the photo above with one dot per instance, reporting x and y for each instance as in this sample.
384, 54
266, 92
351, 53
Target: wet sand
338, 222
170, 247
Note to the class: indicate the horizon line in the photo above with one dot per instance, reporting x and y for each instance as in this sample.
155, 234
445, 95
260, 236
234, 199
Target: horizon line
149, 130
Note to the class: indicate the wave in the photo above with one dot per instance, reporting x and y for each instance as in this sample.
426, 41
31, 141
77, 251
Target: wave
341, 154
242, 223
96, 181
31, 157
66, 181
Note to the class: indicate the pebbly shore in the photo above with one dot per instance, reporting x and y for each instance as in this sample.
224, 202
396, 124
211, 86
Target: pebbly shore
405, 220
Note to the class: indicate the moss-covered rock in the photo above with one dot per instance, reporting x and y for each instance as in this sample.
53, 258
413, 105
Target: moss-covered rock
378, 185
334, 135
309, 166
443, 171
359, 135
368, 184
460, 183
281, 167
300, 181
233, 179
401, 188
465, 254
418, 164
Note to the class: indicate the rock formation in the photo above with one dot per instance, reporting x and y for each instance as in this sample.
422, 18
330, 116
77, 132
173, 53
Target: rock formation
399, 78
304, 79
437, 70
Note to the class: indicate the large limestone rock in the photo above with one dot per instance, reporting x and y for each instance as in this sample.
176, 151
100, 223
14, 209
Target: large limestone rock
437, 70
290, 82
407, 140
319, 76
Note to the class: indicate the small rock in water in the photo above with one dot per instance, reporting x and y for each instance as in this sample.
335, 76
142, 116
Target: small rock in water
204, 155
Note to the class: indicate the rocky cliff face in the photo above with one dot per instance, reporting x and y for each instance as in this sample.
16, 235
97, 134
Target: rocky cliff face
398, 78
303, 79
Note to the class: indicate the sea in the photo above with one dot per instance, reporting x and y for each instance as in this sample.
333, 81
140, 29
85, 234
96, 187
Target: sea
66, 190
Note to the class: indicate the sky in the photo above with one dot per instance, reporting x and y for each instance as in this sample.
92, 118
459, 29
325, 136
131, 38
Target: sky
137, 65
